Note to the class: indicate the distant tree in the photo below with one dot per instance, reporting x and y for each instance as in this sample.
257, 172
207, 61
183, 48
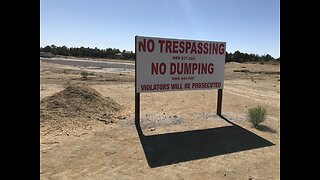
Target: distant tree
46, 49
115, 51
109, 51
237, 56
252, 57
269, 57
62, 50
53, 46
54, 49
246, 57
228, 57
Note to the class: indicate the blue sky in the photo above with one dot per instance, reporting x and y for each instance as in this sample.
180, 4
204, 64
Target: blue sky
250, 26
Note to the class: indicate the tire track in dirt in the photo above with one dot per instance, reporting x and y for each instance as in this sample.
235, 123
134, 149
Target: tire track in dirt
244, 90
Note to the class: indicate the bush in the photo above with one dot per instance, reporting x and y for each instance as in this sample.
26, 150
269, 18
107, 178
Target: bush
256, 115
84, 74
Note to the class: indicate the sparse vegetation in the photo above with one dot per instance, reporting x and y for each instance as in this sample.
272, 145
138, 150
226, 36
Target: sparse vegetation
84, 74
256, 115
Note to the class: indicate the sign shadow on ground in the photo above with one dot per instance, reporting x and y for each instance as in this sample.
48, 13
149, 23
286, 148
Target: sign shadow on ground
172, 148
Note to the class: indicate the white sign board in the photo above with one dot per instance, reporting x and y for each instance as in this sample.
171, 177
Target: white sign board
178, 64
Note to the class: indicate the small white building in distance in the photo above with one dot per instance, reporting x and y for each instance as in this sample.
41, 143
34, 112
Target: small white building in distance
119, 55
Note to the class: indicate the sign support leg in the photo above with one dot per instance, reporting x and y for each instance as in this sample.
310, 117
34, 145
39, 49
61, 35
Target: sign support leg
137, 95
219, 103
137, 108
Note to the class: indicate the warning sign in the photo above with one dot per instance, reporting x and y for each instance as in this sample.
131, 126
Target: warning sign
177, 64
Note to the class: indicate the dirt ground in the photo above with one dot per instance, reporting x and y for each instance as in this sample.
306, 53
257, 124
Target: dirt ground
179, 137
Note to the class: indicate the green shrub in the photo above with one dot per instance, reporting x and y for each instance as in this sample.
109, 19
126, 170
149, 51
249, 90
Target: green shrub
84, 74
256, 115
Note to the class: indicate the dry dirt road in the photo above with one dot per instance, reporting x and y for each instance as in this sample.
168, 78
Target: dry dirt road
179, 136
90, 63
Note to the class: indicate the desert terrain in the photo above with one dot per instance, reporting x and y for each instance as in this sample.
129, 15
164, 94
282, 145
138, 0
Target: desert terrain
88, 130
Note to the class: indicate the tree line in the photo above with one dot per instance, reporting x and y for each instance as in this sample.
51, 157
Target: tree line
240, 57
113, 53
88, 52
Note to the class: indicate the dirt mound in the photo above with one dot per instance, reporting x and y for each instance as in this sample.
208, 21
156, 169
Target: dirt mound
78, 101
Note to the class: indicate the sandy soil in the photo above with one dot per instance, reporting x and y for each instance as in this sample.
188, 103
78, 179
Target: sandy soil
181, 137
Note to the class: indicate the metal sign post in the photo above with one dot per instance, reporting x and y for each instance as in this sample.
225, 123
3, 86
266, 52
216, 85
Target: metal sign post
219, 102
137, 95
